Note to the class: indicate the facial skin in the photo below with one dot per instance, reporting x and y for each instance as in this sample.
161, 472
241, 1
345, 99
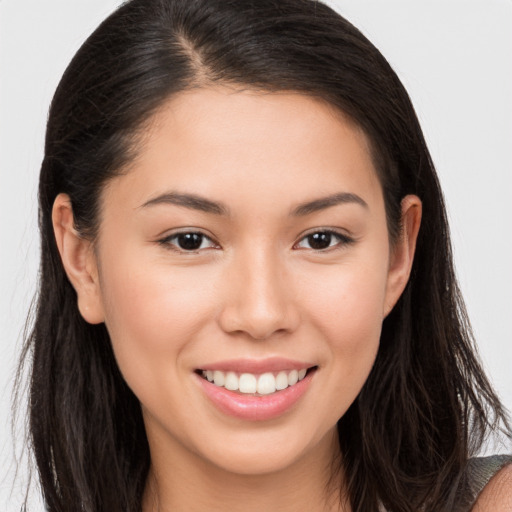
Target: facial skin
255, 289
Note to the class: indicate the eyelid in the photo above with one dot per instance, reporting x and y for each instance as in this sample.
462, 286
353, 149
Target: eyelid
165, 241
343, 237
343, 240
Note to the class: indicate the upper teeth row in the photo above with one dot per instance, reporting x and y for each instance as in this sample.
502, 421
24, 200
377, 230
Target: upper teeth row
263, 384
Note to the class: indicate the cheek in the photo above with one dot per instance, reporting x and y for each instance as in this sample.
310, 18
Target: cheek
151, 313
353, 325
348, 312
348, 306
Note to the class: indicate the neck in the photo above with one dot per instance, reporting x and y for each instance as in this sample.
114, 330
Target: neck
183, 481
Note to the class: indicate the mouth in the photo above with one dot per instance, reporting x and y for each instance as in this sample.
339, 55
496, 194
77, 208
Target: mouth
256, 390
255, 384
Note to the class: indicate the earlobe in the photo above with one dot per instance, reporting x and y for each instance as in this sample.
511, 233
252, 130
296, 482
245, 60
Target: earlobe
78, 259
402, 254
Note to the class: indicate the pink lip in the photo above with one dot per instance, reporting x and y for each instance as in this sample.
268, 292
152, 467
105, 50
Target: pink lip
274, 364
255, 408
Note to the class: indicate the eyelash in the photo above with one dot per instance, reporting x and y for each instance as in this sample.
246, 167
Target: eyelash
343, 241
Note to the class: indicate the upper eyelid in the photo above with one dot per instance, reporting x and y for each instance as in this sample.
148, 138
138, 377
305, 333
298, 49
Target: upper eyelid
336, 232
181, 231
166, 238
343, 237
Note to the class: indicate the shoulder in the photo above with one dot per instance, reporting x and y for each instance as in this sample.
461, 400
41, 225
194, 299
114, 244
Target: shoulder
496, 496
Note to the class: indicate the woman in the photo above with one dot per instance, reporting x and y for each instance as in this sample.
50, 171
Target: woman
247, 296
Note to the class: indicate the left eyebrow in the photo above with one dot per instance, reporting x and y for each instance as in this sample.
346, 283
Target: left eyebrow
327, 202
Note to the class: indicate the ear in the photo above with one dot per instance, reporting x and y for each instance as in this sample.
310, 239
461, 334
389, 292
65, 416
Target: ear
402, 253
78, 259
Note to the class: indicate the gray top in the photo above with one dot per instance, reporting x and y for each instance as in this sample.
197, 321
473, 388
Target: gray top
476, 476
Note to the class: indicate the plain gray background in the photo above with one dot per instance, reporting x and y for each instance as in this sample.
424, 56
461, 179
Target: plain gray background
454, 57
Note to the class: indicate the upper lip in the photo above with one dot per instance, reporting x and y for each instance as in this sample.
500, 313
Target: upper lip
257, 366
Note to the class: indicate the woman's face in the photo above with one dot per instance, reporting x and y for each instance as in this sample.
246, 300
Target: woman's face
246, 243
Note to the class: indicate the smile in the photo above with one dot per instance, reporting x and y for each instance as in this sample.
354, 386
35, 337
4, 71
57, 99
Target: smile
256, 391
255, 384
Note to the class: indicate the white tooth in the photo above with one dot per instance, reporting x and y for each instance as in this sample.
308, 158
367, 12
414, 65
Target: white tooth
231, 381
266, 384
218, 378
302, 373
209, 375
281, 381
293, 377
247, 383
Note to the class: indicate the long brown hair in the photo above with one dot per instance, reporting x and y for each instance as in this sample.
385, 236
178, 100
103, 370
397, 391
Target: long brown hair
426, 406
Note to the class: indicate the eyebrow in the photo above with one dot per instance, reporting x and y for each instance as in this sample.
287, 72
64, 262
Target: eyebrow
327, 202
191, 201
195, 202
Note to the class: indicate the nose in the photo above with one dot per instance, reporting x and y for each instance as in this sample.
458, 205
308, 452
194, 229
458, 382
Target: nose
259, 301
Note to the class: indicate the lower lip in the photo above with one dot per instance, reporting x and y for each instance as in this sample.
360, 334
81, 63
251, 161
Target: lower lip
255, 408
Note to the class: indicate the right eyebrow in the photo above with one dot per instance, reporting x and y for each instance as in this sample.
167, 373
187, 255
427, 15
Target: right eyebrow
191, 201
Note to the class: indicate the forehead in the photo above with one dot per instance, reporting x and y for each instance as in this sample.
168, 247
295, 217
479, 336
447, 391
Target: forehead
236, 145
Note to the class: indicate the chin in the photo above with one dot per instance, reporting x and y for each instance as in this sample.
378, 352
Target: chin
264, 453
257, 463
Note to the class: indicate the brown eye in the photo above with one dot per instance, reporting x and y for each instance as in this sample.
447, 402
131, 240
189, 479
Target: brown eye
187, 241
321, 240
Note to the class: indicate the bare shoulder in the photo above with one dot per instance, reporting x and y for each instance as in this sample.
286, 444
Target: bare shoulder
497, 494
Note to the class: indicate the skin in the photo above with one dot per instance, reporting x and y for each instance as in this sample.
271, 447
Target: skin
255, 289
497, 494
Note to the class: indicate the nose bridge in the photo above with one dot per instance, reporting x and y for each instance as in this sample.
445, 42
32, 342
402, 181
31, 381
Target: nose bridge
259, 301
